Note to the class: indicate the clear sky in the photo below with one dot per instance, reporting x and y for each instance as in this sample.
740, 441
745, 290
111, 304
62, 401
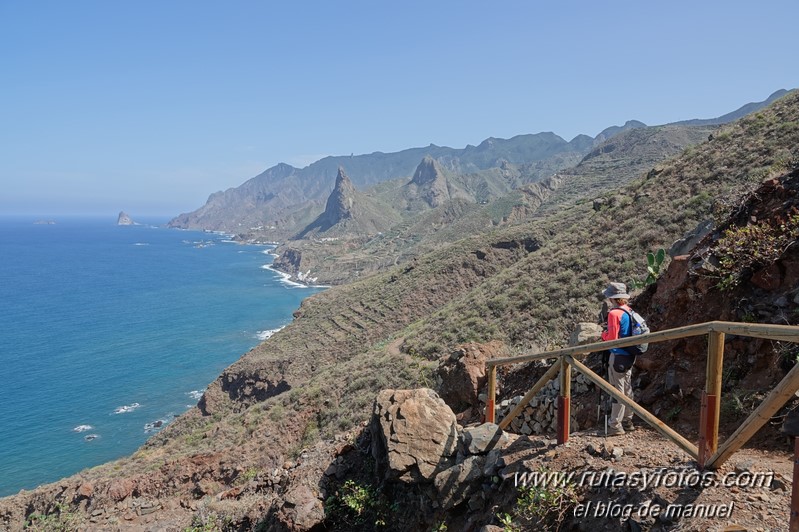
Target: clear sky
150, 106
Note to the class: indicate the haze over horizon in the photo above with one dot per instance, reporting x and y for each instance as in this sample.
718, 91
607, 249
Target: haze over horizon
151, 107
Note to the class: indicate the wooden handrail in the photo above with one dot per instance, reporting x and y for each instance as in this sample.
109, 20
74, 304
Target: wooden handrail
711, 399
789, 333
773, 402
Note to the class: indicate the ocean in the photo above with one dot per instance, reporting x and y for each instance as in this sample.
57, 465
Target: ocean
108, 332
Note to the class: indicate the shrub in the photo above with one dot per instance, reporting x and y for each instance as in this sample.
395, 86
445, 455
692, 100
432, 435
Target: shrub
540, 507
743, 249
60, 520
357, 505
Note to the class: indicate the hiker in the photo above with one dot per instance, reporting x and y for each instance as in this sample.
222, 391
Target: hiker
620, 365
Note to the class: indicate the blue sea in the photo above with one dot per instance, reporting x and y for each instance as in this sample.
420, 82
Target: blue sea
108, 332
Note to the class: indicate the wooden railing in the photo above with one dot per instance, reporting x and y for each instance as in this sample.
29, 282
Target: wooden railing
708, 453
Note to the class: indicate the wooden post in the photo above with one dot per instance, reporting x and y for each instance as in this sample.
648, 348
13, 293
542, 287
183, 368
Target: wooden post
644, 414
492, 394
773, 402
545, 378
564, 400
794, 520
711, 398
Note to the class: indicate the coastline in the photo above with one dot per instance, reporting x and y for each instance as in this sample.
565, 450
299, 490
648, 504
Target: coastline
115, 417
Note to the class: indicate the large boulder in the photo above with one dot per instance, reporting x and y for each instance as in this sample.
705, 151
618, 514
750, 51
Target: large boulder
586, 333
461, 374
414, 434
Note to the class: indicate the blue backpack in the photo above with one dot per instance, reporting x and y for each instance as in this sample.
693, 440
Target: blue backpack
637, 326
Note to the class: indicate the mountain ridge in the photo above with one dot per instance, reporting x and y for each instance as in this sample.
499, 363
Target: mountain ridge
245, 456
282, 199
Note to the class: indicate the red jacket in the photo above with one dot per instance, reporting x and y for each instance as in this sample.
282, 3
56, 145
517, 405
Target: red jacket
618, 320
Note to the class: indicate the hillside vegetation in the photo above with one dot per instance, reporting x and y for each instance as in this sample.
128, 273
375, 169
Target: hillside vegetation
525, 284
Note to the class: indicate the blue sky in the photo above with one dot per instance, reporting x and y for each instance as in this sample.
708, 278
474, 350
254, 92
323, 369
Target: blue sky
150, 106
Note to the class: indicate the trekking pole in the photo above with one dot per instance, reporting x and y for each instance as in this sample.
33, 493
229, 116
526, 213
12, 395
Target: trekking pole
599, 405
605, 365
603, 320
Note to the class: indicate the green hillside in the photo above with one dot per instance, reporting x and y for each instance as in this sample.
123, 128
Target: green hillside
527, 285
526, 281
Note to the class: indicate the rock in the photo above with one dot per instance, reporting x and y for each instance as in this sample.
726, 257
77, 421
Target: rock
691, 239
459, 482
206, 487
585, 333
477, 501
124, 219
617, 452
120, 489
430, 182
462, 373
671, 384
302, 509
86, 490
494, 462
744, 466
149, 507
790, 425
778, 483
414, 434
483, 438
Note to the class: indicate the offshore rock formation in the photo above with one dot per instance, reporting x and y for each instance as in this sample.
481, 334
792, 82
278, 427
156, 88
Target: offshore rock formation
124, 219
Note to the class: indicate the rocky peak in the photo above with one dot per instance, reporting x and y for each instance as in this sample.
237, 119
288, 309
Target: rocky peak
340, 202
428, 171
432, 182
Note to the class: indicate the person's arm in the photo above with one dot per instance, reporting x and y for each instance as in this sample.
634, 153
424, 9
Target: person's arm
614, 326
603, 315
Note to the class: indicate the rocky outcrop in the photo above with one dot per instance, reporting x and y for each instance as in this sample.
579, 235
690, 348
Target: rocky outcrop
349, 213
431, 183
416, 443
690, 240
339, 205
241, 387
124, 219
340, 202
461, 374
414, 435
431, 187
745, 270
290, 261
